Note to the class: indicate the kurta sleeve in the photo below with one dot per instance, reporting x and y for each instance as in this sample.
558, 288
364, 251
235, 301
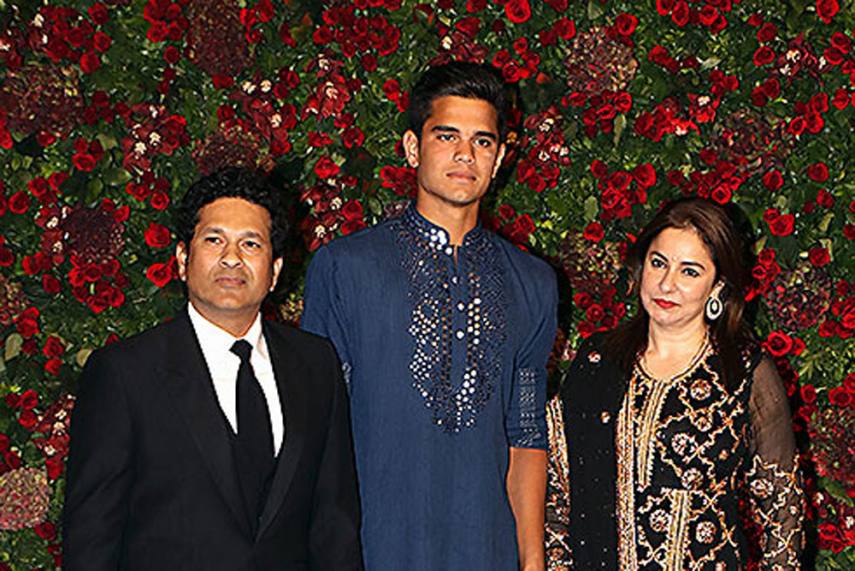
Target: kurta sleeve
772, 480
525, 422
556, 533
324, 308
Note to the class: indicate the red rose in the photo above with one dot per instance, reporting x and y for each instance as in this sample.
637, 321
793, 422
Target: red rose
838, 396
773, 180
827, 9
28, 419
680, 14
54, 466
721, 193
326, 168
46, 530
157, 235
782, 225
848, 383
818, 172
7, 258
623, 102
594, 313
98, 13
352, 137
819, 256
582, 300
848, 317
767, 32
159, 200
50, 284
160, 274
29, 399
518, 11
83, 162
19, 202
352, 210
53, 347
90, 62
52, 366
763, 56
102, 41
625, 24
808, 393
593, 232
778, 343
565, 28
599, 169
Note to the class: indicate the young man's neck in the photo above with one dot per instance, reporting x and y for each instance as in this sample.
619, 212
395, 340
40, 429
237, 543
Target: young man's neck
455, 219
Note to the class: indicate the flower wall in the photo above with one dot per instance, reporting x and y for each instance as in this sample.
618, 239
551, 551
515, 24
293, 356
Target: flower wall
109, 110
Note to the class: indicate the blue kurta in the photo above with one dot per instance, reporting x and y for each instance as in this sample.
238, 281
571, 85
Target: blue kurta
445, 366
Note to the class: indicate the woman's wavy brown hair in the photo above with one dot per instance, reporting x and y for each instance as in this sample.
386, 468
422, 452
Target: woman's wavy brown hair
719, 233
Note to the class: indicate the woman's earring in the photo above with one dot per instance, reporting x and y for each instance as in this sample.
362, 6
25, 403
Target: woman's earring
713, 308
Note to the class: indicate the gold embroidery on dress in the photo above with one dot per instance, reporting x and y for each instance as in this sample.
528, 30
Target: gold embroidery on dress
627, 556
678, 530
556, 536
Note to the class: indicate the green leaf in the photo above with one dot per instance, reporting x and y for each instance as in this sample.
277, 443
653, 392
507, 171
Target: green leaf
13, 346
595, 10
116, 176
81, 356
620, 125
592, 206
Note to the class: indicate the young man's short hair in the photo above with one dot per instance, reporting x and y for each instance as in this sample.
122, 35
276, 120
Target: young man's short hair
461, 79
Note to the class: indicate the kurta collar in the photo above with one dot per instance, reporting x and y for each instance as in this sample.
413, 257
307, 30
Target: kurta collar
436, 237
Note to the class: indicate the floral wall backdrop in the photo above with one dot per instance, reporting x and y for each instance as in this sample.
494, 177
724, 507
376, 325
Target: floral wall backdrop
108, 110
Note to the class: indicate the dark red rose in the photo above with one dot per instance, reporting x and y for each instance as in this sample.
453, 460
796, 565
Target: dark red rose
7, 258
159, 200
818, 172
565, 28
160, 274
839, 396
83, 162
582, 300
664, 7
593, 232
29, 399
52, 366
827, 9
847, 319
98, 13
722, 193
767, 32
352, 137
28, 419
782, 225
352, 210
326, 168
645, 175
763, 56
808, 393
680, 14
50, 284
53, 347
90, 62
819, 256
623, 102
19, 202
625, 24
773, 180
594, 313
101, 41
599, 169
54, 466
778, 343
46, 530
157, 235
518, 11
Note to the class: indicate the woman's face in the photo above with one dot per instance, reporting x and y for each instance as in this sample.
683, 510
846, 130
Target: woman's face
677, 278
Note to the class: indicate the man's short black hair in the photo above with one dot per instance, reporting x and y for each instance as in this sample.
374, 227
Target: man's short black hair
461, 79
232, 182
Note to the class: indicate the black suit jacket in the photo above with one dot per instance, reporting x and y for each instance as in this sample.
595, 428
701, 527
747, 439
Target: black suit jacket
152, 484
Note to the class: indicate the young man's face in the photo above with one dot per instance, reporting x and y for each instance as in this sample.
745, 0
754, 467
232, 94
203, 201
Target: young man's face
458, 153
229, 266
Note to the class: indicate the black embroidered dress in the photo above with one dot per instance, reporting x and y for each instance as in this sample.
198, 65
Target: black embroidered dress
656, 468
445, 363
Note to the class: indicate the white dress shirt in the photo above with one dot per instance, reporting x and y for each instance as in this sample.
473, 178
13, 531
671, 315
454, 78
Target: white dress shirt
223, 365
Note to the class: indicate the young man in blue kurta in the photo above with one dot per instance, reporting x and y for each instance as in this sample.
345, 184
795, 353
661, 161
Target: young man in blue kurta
444, 330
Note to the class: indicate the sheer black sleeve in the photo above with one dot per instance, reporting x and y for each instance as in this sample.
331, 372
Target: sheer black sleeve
772, 478
557, 490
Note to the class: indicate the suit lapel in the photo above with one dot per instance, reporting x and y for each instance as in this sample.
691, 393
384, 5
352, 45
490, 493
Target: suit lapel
289, 371
188, 381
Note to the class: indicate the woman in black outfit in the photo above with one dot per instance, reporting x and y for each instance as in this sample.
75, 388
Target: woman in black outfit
664, 423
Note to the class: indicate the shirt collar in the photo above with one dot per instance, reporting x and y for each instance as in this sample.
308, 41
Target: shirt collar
212, 336
436, 237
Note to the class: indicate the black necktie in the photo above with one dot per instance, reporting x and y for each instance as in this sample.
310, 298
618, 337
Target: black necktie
254, 437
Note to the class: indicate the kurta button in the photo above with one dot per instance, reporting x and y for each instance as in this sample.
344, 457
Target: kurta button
454, 279
460, 334
461, 306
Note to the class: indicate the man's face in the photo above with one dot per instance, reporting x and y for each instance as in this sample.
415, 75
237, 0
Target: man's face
229, 266
458, 153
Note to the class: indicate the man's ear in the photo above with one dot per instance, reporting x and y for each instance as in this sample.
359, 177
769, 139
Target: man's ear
181, 252
500, 156
411, 148
277, 267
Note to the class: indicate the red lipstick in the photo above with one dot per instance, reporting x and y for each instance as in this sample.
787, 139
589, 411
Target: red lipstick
665, 304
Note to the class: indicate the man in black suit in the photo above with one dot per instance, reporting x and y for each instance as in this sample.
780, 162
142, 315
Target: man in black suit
215, 441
